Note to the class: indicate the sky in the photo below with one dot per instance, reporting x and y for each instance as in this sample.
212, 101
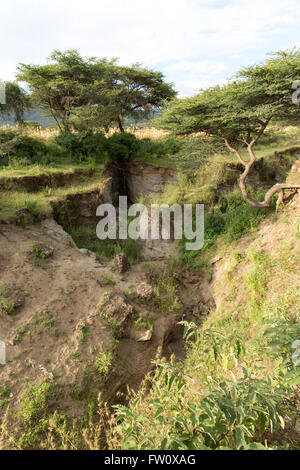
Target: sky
195, 43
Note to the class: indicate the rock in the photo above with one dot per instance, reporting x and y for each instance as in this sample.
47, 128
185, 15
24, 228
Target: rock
48, 374
121, 263
144, 178
144, 291
145, 336
42, 251
42, 216
116, 307
48, 251
86, 252
19, 301
216, 259
140, 335
57, 232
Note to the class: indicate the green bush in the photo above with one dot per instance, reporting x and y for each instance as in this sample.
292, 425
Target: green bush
166, 146
240, 413
85, 237
123, 146
7, 134
119, 146
233, 219
19, 149
83, 147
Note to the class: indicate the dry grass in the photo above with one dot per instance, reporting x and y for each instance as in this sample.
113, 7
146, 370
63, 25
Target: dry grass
139, 132
142, 132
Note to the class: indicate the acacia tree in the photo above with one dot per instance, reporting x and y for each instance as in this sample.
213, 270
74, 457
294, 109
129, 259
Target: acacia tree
97, 92
128, 92
64, 84
16, 102
240, 112
135, 91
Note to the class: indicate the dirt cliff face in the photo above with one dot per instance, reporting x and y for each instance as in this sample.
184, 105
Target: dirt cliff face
38, 182
144, 179
60, 310
59, 292
79, 209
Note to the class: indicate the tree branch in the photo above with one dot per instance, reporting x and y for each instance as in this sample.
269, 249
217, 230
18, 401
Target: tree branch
235, 151
277, 188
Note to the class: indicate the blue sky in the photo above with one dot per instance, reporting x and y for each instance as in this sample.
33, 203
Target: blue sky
194, 43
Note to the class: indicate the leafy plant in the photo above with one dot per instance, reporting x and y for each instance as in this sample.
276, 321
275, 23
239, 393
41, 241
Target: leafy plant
103, 362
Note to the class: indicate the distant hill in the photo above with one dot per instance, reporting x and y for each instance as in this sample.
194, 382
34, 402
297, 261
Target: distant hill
33, 115
38, 116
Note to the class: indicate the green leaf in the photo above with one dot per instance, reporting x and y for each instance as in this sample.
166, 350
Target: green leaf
263, 422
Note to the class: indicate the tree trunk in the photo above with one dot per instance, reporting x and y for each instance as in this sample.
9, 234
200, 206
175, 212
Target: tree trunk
57, 121
120, 123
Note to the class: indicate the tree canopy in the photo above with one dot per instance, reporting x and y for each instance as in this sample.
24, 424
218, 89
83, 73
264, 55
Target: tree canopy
17, 102
97, 92
64, 84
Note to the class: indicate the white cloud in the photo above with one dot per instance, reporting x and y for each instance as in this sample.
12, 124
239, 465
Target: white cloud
195, 67
190, 40
193, 75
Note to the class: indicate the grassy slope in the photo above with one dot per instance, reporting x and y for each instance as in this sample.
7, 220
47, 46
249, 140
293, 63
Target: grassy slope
256, 279
256, 282
64, 166
12, 200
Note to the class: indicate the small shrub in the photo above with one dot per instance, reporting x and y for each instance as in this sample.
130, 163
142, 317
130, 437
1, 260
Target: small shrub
35, 403
122, 146
83, 147
103, 362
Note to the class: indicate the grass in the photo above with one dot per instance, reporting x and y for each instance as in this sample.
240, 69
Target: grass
20, 333
142, 324
11, 201
5, 306
4, 396
85, 237
64, 167
38, 253
113, 324
139, 131
35, 401
107, 280
165, 292
200, 184
225, 225
83, 333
